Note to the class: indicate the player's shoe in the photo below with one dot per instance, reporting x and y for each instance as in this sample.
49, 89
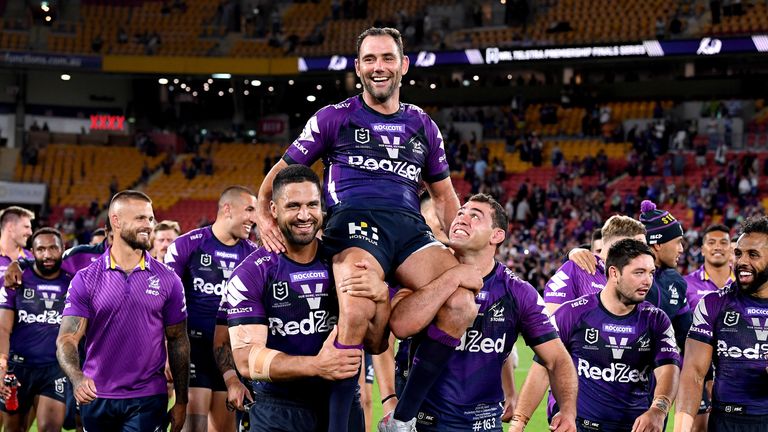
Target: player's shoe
390, 424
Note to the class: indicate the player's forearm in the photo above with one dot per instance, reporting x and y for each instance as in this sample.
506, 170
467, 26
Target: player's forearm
178, 359
222, 351
446, 207
286, 367
533, 390
689, 393
265, 190
565, 382
5, 347
415, 311
71, 330
508, 378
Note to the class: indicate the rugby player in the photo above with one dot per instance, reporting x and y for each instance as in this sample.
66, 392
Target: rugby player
164, 234
15, 229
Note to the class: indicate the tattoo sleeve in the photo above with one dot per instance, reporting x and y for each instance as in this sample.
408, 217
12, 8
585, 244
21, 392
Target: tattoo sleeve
178, 359
71, 331
222, 350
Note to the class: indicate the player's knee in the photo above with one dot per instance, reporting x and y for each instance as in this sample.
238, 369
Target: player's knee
49, 425
459, 310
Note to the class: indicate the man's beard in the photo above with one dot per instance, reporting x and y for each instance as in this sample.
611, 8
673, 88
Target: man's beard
132, 239
299, 240
47, 271
758, 280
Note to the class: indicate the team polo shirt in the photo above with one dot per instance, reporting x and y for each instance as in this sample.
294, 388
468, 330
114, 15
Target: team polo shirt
127, 315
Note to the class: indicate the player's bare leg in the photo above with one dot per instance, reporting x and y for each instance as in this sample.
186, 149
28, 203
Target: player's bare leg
197, 410
220, 419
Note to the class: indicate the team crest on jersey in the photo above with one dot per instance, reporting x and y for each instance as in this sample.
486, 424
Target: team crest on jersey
417, 146
29, 293
205, 260
731, 318
280, 290
362, 136
591, 335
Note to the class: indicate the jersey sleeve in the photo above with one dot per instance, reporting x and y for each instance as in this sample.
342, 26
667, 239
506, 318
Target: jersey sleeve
77, 302
437, 163
314, 139
665, 346
7, 298
245, 292
704, 317
175, 308
177, 255
536, 326
563, 286
562, 321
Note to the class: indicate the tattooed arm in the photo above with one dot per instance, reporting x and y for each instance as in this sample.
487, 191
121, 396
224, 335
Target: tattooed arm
222, 352
178, 358
71, 331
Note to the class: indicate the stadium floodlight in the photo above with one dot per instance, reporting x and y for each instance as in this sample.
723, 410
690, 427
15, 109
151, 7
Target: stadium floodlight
255, 83
465, 83
291, 82
183, 85
509, 77
194, 93
246, 82
311, 98
433, 86
476, 78
246, 92
162, 81
44, 6
231, 90
270, 89
175, 80
358, 86
319, 87
65, 77
221, 93
221, 76
171, 88
412, 82
48, 18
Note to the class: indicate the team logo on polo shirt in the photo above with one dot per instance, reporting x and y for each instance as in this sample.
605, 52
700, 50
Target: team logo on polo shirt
205, 260
731, 318
591, 335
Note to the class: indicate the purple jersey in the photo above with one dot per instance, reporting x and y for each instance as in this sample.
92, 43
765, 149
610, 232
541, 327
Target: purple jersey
615, 356
5, 261
571, 282
699, 284
80, 257
127, 316
372, 160
37, 304
204, 264
736, 325
296, 301
469, 392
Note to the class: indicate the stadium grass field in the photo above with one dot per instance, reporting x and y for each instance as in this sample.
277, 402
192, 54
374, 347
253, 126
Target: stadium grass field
538, 422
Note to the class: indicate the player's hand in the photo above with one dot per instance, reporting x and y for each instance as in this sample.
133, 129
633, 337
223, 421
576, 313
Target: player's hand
365, 282
563, 422
85, 390
469, 277
237, 393
177, 415
510, 402
335, 364
5, 391
12, 278
584, 259
271, 237
651, 421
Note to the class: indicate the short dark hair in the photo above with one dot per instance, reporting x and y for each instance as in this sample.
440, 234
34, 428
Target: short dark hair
499, 216
597, 235
99, 232
381, 31
624, 251
755, 224
717, 228
131, 194
168, 225
14, 213
232, 190
46, 230
294, 174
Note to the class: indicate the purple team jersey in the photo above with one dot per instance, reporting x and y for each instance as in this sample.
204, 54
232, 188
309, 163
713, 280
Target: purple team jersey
372, 160
80, 257
204, 264
571, 282
468, 395
5, 261
615, 357
37, 304
296, 301
127, 316
736, 325
700, 284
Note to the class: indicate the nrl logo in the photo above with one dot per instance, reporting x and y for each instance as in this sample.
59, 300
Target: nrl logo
362, 135
205, 260
29, 293
280, 290
591, 335
731, 318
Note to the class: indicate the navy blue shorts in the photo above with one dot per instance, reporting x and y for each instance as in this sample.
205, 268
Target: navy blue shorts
144, 414
269, 413
429, 422
584, 425
720, 421
370, 374
48, 381
390, 236
203, 371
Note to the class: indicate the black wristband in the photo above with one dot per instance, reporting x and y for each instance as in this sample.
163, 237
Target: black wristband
383, 401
